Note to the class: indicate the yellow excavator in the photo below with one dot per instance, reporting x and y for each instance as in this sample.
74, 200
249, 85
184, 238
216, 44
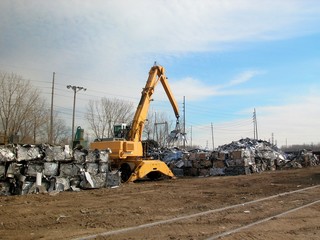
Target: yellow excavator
127, 153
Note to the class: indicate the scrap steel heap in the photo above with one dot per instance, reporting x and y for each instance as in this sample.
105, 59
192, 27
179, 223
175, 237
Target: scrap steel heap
43, 168
246, 156
26, 169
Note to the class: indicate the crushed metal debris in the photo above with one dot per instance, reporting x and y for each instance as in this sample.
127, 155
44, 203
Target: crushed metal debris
246, 156
26, 169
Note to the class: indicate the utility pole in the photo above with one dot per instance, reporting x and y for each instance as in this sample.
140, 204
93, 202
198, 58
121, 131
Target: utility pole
51, 114
75, 90
212, 136
191, 137
255, 114
155, 125
255, 125
184, 122
162, 140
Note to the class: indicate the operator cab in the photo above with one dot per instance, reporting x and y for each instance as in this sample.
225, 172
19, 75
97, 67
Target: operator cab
121, 130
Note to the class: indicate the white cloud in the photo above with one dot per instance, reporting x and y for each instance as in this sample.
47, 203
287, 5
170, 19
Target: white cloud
109, 45
119, 28
243, 77
297, 121
112, 33
199, 90
222, 133
193, 88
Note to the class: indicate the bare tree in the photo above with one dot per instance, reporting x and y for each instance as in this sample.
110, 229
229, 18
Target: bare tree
298, 147
60, 134
102, 115
31, 129
60, 131
158, 127
18, 102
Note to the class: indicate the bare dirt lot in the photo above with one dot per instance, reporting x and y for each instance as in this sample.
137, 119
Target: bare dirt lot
184, 208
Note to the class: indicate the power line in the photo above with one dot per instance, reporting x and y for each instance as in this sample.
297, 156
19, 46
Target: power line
231, 127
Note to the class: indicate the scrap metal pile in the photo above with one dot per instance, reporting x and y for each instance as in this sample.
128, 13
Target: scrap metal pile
251, 156
245, 156
43, 168
28, 169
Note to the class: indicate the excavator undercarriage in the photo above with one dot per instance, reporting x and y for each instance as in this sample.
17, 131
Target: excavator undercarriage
139, 169
122, 155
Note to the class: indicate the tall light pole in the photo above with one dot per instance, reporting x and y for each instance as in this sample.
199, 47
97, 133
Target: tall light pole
75, 90
51, 114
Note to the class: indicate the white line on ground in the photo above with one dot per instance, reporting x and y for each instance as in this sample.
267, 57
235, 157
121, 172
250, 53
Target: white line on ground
261, 221
128, 229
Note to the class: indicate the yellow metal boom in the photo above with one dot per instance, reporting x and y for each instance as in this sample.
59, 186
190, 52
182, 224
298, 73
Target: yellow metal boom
127, 154
156, 74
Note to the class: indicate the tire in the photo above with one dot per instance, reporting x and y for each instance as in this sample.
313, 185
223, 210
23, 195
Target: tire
125, 172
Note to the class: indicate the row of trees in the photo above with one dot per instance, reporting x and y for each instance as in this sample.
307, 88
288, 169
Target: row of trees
25, 116
298, 147
103, 114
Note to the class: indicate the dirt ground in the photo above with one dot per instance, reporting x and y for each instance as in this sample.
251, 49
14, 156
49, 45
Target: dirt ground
82, 215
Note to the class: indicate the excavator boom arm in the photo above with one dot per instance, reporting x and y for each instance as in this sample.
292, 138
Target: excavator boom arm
156, 73
127, 154
172, 100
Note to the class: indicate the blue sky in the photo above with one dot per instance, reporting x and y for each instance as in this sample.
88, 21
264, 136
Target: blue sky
226, 57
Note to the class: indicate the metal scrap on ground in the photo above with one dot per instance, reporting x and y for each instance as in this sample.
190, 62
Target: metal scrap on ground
43, 168
26, 169
246, 156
